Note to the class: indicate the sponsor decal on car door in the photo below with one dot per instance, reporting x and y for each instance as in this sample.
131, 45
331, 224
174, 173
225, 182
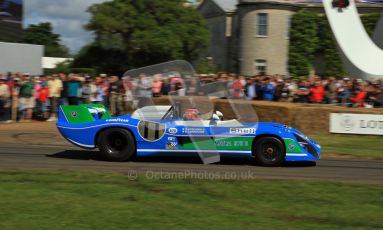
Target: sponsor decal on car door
151, 131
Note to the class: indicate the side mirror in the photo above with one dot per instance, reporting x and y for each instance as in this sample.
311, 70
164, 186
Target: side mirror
219, 114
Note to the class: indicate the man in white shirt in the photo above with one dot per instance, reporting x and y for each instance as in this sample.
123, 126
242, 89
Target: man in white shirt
55, 87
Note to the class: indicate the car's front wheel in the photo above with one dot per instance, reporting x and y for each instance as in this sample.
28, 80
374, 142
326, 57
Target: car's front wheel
116, 144
269, 151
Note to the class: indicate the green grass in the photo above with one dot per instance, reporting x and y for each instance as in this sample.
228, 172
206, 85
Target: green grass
360, 146
64, 200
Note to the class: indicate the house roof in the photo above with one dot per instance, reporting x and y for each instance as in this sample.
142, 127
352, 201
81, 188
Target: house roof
227, 5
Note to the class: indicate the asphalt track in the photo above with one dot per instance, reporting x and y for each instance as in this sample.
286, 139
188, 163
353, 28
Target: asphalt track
24, 156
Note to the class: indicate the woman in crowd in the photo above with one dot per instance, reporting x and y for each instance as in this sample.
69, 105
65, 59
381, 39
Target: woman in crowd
129, 88
97, 91
360, 96
238, 88
156, 85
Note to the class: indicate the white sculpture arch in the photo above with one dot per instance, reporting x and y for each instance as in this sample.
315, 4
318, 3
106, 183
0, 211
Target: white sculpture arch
362, 57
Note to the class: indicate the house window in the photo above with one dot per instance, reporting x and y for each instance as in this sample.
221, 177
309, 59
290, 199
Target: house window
262, 24
229, 24
261, 66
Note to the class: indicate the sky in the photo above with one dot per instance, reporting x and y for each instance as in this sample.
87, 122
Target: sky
68, 18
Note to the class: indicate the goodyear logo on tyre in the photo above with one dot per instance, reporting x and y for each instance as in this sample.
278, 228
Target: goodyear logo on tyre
151, 131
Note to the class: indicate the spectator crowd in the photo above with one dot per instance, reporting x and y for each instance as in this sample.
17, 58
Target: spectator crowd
27, 97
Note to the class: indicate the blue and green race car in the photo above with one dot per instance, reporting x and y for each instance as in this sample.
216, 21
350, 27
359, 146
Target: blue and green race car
156, 130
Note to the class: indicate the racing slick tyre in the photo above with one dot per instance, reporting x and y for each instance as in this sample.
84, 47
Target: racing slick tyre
116, 144
269, 151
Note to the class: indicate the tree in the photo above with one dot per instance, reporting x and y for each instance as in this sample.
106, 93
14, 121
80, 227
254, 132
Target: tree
109, 60
42, 34
303, 42
206, 65
329, 49
63, 67
299, 65
145, 32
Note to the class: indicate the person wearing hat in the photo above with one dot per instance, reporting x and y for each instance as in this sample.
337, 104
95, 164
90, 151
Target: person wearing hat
4, 100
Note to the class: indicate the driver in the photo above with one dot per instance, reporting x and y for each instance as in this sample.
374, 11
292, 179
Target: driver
192, 115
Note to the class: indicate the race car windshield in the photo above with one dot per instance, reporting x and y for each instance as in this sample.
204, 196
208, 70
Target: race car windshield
191, 96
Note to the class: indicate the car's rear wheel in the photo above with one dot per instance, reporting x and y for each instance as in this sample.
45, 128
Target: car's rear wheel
116, 144
269, 151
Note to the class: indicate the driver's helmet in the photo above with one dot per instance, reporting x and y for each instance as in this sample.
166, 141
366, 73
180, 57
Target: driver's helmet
191, 114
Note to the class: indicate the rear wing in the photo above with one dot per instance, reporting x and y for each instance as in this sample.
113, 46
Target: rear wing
81, 114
